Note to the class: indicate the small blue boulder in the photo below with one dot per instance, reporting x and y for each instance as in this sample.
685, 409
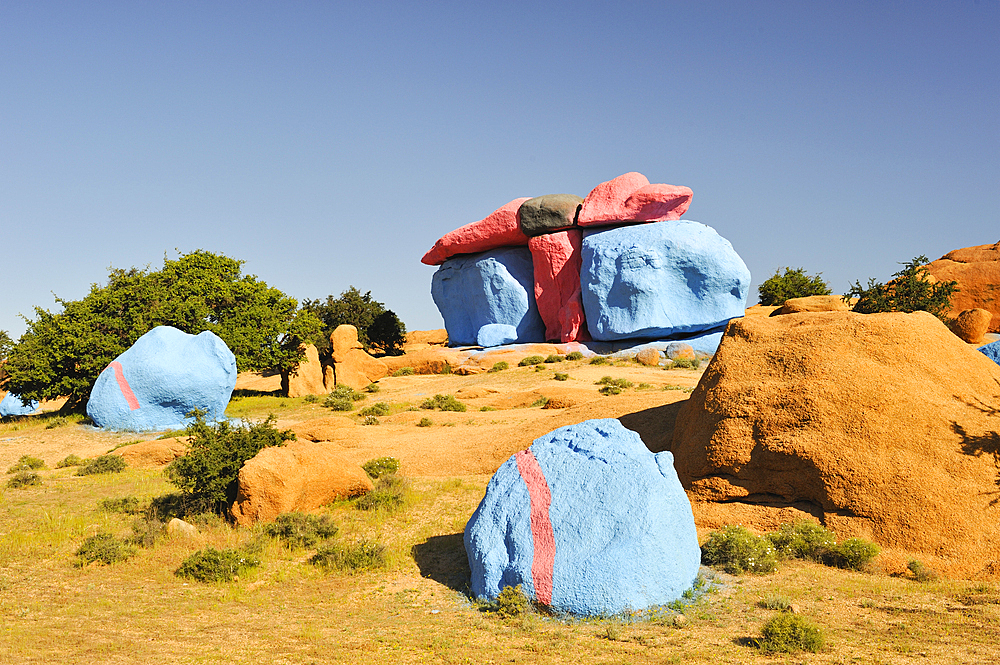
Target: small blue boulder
11, 405
991, 351
161, 378
652, 281
588, 522
478, 290
496, 334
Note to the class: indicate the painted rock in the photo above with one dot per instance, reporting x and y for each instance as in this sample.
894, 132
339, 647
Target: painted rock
631, 198
549, 213
588, 522
11, 405
483, 289
656, 280
496, 334
991, 351
556, 260
165, 375
500, 229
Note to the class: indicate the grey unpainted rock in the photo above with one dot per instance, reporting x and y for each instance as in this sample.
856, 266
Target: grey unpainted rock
549, 213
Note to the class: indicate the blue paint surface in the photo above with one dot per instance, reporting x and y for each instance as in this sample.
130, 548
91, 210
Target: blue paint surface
475, 290
991, 351
496, 334
171, 373
11, 405
624, 530
655, 281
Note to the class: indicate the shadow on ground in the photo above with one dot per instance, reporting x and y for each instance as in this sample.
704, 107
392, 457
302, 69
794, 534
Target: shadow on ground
443, 559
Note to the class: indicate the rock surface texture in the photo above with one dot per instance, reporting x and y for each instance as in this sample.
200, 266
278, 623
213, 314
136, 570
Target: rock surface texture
11, 405
556, 260
500, 229
549, 213
152, 454
971, 325
482, 289
352, 366
883, 426
977, 271
307, 378
165, 375
587, 521
630, 198
299, 476
656, 280
812, 304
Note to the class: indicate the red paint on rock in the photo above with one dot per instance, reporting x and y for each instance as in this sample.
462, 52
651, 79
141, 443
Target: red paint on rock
502, 228
556, 258
658, 203
543, 563
630, 198
123, 385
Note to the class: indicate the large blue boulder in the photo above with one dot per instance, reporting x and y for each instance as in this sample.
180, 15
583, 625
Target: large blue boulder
991, 351
651, 281
11, 405
165, 375
588, 522
477, 290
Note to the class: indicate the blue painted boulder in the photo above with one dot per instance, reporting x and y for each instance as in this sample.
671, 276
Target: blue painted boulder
991, 351
653, 281
161, 378
11, 405
478, 290
496, 334
588, 522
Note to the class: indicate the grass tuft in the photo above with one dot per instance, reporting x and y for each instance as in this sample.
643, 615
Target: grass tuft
362, 555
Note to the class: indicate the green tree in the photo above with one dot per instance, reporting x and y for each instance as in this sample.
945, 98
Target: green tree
910, 290
6, 343
62, 354
794, 283
378, 327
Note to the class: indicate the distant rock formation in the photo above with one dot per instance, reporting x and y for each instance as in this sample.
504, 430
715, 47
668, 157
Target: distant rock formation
977, 271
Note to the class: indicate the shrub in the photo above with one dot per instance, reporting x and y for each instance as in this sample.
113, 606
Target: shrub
789, 633
105, 548
554, 358
684, 363
574, 355
425, 422
853, 554
511, 602
803, 539
487, 408
103, 464
613, 386
26, 463
600, 360
794, 283
216, 453
371, 420
372, 388
921, 573
376, 409
609, 390
301, 529
145, 532
561, 377
736, 550
128, 505
443, 402
531, 360
310, 399
541, 401
362, 555
910, 290
499, 366
378, 327
212, 565
24, 479
346, 392
69, 460
381, 466
776, 603
403, 371
338, 403
644, 386
388, 496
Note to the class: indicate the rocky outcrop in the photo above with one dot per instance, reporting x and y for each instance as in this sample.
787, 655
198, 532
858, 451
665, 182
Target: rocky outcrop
352, 366
330, 428
500, 228
812, 304
307, 377
299, 476
630, 198
977, 271
883, 426
556, 260
152, 454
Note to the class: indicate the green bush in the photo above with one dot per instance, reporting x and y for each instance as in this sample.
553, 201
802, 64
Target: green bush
378, 328
776, 603
146, 531
684, 363
789, 633
852, 554
376, 409
600, 360
425, 422
69, 460
443, 402
301, 529
338, 403
310, 399
371, 420
736, 550
921, 573
26, 463
612, 386
403, 371
531, 360
24, 479
499, 366
207, 473
794, 283
561, 377
362, 555
105, 548
388, 496
574, 355
487, 408
381, 466
803, 539
372, 388
212, 565
128, 505
102, 464
511, 602
610, 390
910, 290
554, 358
346, 392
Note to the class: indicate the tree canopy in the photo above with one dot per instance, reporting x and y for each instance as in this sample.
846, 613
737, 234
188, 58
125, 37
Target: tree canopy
909, 290
61, 354
794, 283
378, 327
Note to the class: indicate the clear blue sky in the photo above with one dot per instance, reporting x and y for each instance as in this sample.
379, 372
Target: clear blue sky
331, 143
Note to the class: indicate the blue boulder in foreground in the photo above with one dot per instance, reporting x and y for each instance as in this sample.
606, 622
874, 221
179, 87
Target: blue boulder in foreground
165, 375
477, 290
11, 405
588, 522
652, 281
991, 351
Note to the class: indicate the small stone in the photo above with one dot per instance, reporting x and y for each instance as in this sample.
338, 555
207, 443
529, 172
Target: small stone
649, 357
680, 351
178, 527
545, 214
794, 608
680, 621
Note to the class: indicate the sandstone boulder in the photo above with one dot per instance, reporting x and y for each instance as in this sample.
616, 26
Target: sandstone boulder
549, 213
431, 360
556, 261
432, 337
152, 454
343, 340
977, 271
680, 351
630, 198
178, 527
307, 378
299, 476
649, 357
500, 229
812, 304
883, 426
330, 428
352, 366
971, 325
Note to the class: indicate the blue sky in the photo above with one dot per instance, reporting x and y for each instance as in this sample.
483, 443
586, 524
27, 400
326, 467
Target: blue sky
329, 144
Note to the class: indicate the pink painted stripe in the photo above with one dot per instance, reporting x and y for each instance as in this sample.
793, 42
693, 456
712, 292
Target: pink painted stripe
541, 525
133, 403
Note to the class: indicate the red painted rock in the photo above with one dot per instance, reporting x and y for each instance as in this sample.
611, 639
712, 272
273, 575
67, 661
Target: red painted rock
631, 198
556, 260
502, 228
